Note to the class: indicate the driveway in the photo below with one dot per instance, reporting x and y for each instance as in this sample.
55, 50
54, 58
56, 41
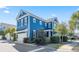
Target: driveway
5, 46
8, 46
33, 48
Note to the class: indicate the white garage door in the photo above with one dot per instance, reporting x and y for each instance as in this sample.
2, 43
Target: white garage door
21, 37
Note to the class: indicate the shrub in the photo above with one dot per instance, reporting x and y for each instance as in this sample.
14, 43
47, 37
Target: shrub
26, 40
40, 41
47, 40
65, 38
55, 39
3, 37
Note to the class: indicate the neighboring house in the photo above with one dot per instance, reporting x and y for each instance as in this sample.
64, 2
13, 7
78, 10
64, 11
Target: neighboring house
5, 26
28, 24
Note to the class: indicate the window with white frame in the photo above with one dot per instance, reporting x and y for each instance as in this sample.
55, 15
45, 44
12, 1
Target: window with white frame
49, 25
40, 22
18, 23
25, 20
34, 33
21, 22
34, 20
45, 24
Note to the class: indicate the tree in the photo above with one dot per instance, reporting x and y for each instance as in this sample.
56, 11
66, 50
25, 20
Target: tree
62, 30
10, 31
72, 22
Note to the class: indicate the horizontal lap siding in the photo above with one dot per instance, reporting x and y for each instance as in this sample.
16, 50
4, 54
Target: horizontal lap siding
35, 26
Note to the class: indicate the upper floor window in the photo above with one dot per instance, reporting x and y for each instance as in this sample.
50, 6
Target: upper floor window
18, 22
40, 22
21, 22
25, 20
49, 25
34, 20
45, 24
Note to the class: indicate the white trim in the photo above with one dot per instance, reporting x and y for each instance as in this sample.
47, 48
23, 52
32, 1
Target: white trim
48, 30
28, 26
22, 31
22, 17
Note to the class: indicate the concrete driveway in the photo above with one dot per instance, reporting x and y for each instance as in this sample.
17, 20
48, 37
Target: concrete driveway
8, 46
5, 46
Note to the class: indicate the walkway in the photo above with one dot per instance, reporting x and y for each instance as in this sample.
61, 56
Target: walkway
68, 47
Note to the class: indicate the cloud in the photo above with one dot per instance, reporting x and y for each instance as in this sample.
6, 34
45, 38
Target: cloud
3, 7
78, 9
6, 11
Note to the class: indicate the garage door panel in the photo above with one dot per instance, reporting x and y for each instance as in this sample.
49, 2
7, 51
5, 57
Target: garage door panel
21, 37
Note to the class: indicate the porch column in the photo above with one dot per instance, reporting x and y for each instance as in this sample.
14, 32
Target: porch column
49, 33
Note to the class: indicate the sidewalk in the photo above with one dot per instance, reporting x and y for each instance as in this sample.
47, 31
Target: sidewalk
67, 47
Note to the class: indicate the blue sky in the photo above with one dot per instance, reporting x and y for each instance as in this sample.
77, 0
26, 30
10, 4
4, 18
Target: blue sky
8, 13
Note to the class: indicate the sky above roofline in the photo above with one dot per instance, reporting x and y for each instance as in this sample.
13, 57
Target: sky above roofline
8, 13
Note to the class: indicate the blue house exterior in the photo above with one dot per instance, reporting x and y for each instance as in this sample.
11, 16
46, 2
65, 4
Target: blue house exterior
28, 24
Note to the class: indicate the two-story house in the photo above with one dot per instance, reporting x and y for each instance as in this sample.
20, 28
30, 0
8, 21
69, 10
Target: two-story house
28, 24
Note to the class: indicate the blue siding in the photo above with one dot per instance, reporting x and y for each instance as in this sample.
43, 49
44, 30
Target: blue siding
19, 27
35, 26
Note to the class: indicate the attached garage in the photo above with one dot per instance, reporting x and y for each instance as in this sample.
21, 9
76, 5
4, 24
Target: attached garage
21, 36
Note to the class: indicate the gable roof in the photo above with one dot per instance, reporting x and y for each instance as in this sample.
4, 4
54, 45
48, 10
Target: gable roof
28, 13
21, 13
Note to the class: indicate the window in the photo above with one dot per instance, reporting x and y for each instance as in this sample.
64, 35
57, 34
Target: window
34, 33
25, 20
34, 20
17, 22
45, 24
47, 34
21, 22
51, 33
40, 22
49, 25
